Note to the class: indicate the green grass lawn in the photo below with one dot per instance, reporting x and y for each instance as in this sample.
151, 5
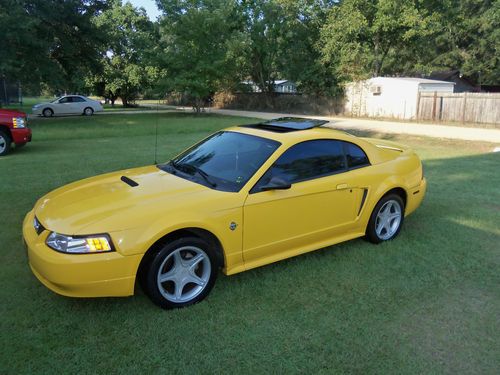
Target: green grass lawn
425, 303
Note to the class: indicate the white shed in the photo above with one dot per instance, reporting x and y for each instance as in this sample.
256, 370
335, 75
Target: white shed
392, 97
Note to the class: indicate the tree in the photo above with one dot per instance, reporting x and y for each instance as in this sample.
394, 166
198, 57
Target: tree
199, 48
49, 41
365, 37
468, 39
126, 63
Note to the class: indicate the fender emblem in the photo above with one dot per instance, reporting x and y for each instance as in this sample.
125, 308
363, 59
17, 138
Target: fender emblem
233, 225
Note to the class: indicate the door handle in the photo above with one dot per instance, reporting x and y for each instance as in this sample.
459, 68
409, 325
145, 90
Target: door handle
342, 186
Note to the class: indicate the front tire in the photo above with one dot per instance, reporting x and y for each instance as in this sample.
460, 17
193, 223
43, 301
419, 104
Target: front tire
386, 219
182, 273
47, 112
88, 111
5, 143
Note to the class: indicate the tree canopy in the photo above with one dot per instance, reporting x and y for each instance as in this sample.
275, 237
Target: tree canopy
199, 47
126, 64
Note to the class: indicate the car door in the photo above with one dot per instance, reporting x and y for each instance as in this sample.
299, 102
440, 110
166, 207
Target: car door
78, 104
320, 204
63, 105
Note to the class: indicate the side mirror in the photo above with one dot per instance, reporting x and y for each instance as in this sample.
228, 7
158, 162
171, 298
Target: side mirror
276, 183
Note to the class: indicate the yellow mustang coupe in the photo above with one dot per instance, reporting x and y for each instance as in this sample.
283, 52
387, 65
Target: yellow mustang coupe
242, 198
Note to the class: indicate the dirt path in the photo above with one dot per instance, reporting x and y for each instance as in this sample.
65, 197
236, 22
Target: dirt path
413, 128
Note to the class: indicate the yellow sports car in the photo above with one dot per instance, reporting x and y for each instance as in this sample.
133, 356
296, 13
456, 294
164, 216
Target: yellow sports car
243, 197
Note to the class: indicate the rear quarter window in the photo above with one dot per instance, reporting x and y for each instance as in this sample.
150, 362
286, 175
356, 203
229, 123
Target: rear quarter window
356, 157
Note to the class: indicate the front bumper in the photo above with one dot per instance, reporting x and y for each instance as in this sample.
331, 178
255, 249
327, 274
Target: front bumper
21, 135
36, 111
79, 275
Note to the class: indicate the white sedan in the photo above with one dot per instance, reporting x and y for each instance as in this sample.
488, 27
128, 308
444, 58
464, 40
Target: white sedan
68, 105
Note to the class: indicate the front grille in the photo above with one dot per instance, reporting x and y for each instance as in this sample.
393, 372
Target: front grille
38, 227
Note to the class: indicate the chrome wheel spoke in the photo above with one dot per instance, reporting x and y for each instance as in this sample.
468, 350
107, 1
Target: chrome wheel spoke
193, 262
380, 226
197, 280
167, 276
394, 216
178, 261
179, 286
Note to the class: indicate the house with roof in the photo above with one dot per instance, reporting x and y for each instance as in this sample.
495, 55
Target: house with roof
391, 97
282, 86
462, 83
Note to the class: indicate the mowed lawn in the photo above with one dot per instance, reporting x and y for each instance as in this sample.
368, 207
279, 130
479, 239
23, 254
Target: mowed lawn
425, 303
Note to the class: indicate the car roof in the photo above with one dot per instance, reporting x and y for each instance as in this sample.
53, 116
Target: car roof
289, 130
287, 124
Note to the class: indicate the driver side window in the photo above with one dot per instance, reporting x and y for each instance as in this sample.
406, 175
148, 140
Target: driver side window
65, 100
306, 161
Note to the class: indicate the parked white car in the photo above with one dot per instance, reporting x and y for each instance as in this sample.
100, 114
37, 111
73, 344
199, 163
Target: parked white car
68, 105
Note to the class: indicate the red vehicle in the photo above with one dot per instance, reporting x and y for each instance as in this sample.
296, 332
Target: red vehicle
13, 129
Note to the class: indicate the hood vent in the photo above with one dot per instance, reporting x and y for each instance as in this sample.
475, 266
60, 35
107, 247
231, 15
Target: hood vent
129, 181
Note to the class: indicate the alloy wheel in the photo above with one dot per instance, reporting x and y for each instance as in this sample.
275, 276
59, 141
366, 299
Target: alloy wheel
388, 220
184, 274
3, 143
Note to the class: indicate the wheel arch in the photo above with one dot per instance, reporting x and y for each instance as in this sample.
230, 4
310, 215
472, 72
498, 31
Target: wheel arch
201, 233
6, 129
398, 191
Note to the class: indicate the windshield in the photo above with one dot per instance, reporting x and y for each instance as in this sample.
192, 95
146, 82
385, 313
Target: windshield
225, 161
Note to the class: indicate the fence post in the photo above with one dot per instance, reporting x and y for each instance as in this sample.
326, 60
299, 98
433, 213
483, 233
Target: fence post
463, 107
434, 103
418, 106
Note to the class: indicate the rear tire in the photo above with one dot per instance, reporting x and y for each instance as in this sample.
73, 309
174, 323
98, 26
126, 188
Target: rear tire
386, 219
5, 143
181, 273
47, 112
88, 111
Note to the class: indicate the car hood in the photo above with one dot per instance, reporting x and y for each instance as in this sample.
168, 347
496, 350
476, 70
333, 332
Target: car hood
106, 203
42, 104
11, 113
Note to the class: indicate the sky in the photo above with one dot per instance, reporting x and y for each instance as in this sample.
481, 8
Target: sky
149, 5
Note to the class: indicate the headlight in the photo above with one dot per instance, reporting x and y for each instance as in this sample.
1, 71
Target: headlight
79, 245
18, 122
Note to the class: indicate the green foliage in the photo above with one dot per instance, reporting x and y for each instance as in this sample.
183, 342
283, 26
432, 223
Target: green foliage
468, 39
365, 38
49, 41
126, 63
199, 48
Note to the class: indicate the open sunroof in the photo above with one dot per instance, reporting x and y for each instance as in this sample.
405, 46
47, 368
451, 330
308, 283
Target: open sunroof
287, 124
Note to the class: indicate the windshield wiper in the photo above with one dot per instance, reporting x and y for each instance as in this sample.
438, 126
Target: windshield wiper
185, 166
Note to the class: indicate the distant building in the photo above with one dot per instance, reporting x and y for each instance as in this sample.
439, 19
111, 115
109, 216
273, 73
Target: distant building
282, 86
392, 97
462, 83
285, 86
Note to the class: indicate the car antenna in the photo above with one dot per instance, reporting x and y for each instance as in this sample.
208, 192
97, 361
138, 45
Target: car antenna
156, 132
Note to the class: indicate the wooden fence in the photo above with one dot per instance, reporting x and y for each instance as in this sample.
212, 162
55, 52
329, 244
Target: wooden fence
466, 107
